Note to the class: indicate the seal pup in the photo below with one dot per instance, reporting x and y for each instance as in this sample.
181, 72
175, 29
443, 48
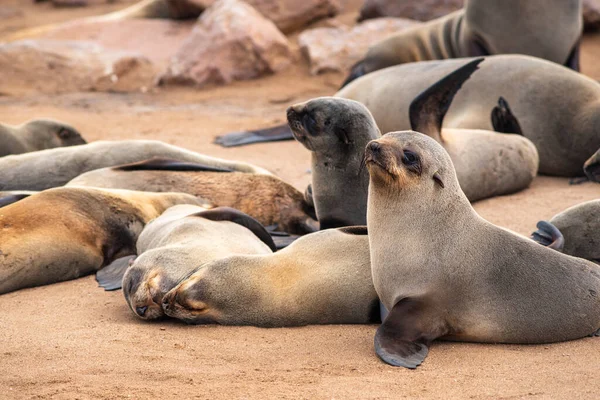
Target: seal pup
577, 229
322, 278
182, 239
267, 198
38, 134
548, 29
457, 276
65, 233
335, 131
55, 167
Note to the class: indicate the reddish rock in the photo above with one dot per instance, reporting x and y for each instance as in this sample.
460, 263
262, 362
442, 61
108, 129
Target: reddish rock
230, 41
420, 10
292, 15
337, 49
47, 66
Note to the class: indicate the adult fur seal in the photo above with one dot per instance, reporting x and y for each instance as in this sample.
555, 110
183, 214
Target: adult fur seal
577, 229
85, 230
55, 167
548, 29
457, 276
264, 197
38, 134
178, 242
322, 278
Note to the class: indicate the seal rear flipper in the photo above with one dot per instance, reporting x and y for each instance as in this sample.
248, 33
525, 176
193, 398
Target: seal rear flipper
13, 198
401, 340
428, 109
167, 164
503, 120
111, 276
549, 235
240, 218
273, 134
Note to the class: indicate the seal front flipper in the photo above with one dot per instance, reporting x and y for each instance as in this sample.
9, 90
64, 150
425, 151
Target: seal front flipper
273, 134
111, 276
167, 164
548, 235
403, 338
428, 109
503, 120
592, 167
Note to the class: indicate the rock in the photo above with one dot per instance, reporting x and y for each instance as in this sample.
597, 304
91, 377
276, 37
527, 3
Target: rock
292, 15
230, 41
591, 15
420, 10
47, 66
337, 49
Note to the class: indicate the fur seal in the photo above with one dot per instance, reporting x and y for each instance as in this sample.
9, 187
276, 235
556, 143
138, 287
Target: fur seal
548, 29
38, 134
457, 276
55, 167
575, 231
322, 278
182, 239
264, 197
86, 229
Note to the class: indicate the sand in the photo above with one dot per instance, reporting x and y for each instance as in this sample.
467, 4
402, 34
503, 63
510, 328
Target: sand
74, 341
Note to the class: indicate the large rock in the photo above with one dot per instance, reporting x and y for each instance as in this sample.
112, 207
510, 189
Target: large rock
337, 49
231, 41
420, 10
291, 15
47, 66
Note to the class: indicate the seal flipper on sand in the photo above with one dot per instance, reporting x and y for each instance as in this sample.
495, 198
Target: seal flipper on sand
167, 164
548, 235
503, 120
428, 109
111, 276
400, 340
273, 134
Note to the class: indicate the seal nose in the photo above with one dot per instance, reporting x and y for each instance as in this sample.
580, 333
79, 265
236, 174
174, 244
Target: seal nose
165, 303
375, 147
141, 311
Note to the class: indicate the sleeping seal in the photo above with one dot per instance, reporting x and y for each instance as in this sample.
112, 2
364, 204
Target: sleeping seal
38, 134
456, 276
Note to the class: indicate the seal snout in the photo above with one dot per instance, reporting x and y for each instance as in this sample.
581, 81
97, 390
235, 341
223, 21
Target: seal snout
141, 311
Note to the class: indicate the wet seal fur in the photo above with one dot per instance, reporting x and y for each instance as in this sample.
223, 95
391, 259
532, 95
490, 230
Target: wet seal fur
55, 167
35, 135
322, 278
267, 198
66, 233
457, 276
180, 241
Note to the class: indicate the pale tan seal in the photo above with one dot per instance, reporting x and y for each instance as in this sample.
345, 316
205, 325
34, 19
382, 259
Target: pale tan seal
38, 134
267, 198
442, 271
55, 167
548, 29
180, 241
65, 233
322, 278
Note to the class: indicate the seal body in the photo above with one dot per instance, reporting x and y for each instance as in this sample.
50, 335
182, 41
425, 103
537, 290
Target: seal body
175, 244
264, 197
39, 134
55, 167
561, 119
85, 230
322, 278
457, 276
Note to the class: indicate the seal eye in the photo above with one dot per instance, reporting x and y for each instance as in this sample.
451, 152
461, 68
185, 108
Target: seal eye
64, 133
409, 158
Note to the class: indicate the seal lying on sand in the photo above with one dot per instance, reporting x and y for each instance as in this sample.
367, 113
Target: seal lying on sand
322, 278
264, 197
178, 242
38, 134
55, 167
444, 272
66, 233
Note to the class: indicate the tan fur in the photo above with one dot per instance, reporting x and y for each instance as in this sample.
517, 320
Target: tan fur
66, 233
39, 134
322, 278
264, 197
51, 168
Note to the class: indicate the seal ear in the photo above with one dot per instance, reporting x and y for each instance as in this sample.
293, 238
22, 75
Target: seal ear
167, 164
342, 135
549, 235
428, 109
438, 179
111, 276
238, 217
503, 120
